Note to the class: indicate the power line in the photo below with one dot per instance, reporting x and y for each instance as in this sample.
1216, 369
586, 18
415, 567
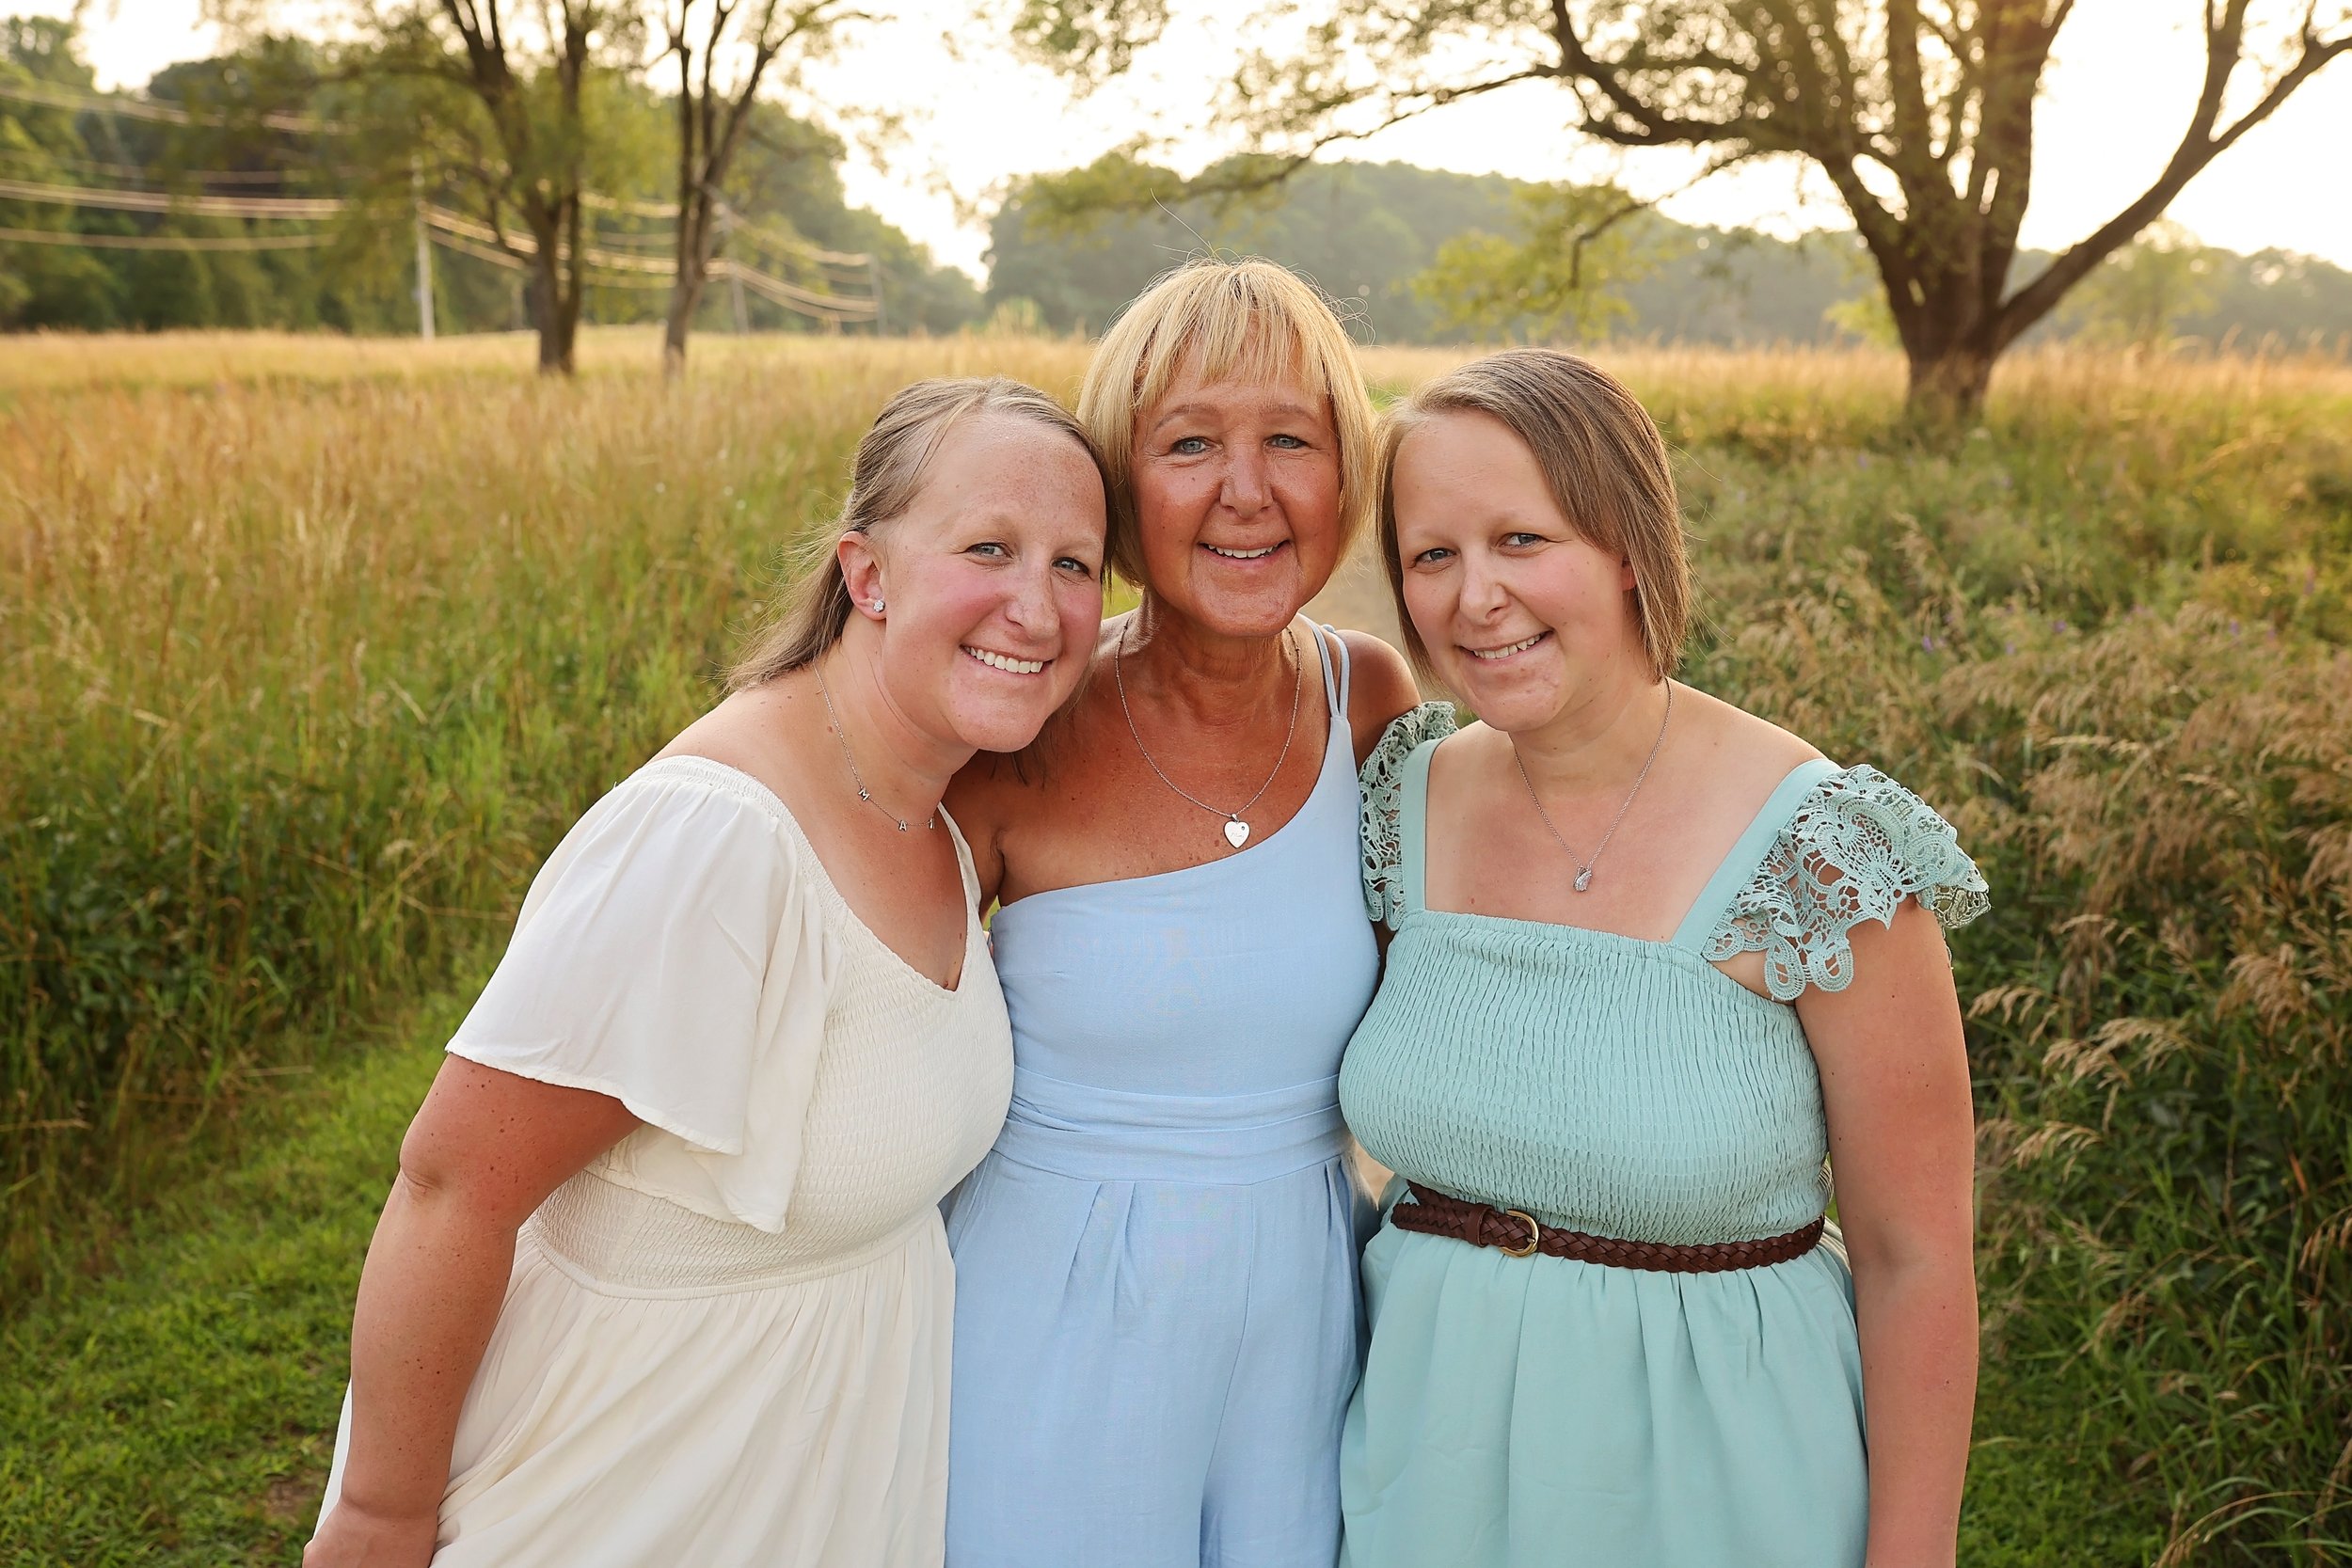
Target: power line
163, 114
297, 208
142, 173
166, 242
468, 236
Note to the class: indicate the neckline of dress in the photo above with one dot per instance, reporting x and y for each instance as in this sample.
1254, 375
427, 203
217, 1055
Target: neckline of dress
1668, 950
769, 802
1340, 732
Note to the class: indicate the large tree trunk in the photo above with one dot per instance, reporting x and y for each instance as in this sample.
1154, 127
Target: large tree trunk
1947, 387
1950, 334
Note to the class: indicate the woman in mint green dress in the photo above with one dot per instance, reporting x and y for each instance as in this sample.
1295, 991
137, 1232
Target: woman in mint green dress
1653, 959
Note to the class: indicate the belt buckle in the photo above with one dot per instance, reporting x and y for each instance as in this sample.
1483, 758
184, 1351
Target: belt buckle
1534, 1235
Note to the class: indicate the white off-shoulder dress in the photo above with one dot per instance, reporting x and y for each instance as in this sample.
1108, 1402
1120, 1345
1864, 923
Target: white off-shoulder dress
726, 1340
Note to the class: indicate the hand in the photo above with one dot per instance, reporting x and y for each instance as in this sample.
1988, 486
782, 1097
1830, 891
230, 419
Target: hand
352, 1537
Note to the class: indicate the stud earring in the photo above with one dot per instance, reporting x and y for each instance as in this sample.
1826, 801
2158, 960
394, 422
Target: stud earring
877, 607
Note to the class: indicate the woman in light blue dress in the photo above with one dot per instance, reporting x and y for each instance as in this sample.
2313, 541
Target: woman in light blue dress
1653, 959
1157, 1303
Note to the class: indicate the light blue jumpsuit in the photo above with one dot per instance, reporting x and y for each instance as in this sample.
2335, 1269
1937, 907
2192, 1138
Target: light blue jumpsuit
1157, 1324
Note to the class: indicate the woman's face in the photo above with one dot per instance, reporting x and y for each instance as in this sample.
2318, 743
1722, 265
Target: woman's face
1237, 502
1522, 615
993, 583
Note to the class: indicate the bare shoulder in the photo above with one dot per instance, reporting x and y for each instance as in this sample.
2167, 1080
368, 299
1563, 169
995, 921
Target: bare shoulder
747, 731
1380, 687
1734, 744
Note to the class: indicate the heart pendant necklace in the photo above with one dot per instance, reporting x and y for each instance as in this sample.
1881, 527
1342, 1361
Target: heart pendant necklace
1584, 867
1236, 831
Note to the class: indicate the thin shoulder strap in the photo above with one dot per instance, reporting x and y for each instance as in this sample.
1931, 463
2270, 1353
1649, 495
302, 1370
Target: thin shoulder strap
1334, 687
963, 863
1739, 867
1413, 819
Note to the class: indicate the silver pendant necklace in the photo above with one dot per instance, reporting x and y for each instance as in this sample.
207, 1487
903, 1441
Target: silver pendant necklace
863, 793
1584, 867
1236, 831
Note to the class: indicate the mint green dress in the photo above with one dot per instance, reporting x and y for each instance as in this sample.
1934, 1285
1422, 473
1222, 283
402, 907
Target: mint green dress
1517, 1412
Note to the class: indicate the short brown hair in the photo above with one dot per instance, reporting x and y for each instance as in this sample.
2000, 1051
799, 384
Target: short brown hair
1250, 320
885, 477
1601, 455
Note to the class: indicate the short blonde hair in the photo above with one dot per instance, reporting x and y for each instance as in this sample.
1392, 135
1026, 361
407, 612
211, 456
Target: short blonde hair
1248, 321
1601, 457
885, 477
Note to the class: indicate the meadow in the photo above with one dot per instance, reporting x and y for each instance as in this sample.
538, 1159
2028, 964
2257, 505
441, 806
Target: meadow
312, 649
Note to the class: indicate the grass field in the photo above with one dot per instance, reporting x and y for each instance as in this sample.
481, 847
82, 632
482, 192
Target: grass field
314, 648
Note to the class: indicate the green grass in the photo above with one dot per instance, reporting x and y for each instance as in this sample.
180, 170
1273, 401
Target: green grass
306, 670
181, 1408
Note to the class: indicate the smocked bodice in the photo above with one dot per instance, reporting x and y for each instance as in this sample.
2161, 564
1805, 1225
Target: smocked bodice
1622, 1086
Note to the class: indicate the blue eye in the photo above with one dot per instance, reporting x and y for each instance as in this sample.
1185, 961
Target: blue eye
990, 545
1289, 443
1432, 557
1521, 537
1072, 563
1190, 446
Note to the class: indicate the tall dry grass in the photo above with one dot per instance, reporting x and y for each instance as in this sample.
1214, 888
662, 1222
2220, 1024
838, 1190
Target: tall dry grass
313, 650
302, 677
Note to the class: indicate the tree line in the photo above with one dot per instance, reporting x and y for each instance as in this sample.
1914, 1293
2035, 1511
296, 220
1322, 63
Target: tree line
1389, 242
615, 158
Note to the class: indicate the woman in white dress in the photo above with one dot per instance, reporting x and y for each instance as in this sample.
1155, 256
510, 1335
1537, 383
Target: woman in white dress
662, 1278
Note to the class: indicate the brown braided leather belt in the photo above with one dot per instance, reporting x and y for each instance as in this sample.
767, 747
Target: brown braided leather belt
1515, 1231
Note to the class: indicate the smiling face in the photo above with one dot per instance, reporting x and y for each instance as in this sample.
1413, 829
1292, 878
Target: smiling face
993, 583
1522, 615
1237, 502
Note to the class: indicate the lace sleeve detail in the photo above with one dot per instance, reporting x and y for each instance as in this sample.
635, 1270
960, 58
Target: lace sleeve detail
1857, 847
1383, 781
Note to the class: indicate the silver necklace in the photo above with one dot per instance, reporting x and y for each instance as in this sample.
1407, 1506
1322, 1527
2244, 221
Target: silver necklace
863, 793
1236, 831
1584, 867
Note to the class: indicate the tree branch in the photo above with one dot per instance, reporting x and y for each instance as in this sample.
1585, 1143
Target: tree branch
2199, 147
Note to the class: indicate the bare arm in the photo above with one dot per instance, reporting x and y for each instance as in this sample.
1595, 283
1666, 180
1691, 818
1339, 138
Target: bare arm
1895, 1081
1380, 687
484, 1152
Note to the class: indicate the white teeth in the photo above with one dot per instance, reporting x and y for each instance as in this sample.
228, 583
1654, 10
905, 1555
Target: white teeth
1242, 555
1505, 652
1001, 662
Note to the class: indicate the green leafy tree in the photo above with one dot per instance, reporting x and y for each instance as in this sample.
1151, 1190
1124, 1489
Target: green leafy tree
2140, 295
714, 109
1563, 274
44, 283
500, 107
1920, 114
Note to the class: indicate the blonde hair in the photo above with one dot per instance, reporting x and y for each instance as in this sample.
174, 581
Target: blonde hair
1248, 321
885, 477
1601, 457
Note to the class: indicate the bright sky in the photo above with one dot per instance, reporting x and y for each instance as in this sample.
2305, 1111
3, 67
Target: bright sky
2114, 104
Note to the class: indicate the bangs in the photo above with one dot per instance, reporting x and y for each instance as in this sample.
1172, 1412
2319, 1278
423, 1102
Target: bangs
1249, 322
1227, 330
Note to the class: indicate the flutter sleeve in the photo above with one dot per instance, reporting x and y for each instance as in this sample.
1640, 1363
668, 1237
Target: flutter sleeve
1383, 788
670, 954
1858, 845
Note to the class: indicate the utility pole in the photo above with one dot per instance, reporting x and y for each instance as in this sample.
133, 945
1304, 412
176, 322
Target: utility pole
424, 259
